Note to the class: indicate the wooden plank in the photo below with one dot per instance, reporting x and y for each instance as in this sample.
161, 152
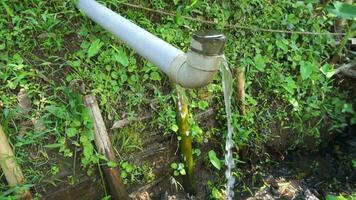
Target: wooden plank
10, 168
104, 147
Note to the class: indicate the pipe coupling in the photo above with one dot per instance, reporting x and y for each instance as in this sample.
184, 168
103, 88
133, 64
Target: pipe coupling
197, 67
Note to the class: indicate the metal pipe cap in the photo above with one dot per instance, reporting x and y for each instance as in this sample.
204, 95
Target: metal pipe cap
209, 43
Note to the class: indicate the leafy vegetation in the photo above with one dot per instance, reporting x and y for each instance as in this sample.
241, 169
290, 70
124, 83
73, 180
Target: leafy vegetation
290, 85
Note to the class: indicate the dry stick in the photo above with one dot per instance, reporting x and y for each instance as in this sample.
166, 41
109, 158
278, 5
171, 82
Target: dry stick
347, 69
240, 89
11, 169
161, 12
104, 147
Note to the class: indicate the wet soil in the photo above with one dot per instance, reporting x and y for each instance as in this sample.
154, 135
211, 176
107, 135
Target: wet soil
313, 175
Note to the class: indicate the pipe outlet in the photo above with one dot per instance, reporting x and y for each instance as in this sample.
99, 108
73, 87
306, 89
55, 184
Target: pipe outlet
198, 66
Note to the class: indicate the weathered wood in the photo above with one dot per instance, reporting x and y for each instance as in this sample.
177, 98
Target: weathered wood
347, 69
240, 90
10, 168
104, 147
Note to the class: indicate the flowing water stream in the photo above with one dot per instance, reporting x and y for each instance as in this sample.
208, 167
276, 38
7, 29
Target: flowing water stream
229, 161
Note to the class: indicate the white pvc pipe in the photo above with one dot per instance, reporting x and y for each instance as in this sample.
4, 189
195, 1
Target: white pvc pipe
154, 49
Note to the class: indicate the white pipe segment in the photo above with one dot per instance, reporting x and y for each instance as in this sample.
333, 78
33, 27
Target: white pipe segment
154, 49
193, 69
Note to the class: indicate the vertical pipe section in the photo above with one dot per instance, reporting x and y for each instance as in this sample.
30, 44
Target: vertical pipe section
154, 49
185, 142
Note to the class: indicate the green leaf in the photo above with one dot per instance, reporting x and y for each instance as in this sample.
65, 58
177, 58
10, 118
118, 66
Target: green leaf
289, 85
112, 164
174, 127
306, 69
86, 118
114, 75
121, 57
176, 173
193, 3
333, 197
197, 152
294, 103
217, 194
342, 10
8, 9
19, 60
59, 112
94, 48
330, 197
123, 77
71, 132
282, 44
174, 165
297, 58
129, 168
123, 174
328, 70
202, 104
131, 68
182, 171
260, 62
133, 79
75, 63
179, 17
214, 160
196, 130
180, 166
155, 76
347, 108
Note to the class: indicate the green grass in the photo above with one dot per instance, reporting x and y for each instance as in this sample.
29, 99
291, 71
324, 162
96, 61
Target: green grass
45, 45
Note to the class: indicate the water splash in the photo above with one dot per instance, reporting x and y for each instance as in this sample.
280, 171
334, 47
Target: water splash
229, 161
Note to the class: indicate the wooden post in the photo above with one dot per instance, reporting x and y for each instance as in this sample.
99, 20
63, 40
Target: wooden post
240, 89
11, 169
104, 147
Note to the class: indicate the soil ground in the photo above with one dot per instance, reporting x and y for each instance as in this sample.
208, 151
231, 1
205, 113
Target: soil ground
297, 175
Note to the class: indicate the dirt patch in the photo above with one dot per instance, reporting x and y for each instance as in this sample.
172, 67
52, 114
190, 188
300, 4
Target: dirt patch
306, 175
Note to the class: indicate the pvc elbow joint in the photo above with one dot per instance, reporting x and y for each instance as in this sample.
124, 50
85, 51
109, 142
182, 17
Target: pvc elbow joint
192, 70
198, 66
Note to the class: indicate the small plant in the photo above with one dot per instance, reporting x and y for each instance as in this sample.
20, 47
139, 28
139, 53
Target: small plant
73, 123
127, 169
214, 160
217, 194
131, 173
178, 169
54, 169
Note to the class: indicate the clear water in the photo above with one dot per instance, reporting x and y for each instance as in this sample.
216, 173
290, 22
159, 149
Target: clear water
229, 161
